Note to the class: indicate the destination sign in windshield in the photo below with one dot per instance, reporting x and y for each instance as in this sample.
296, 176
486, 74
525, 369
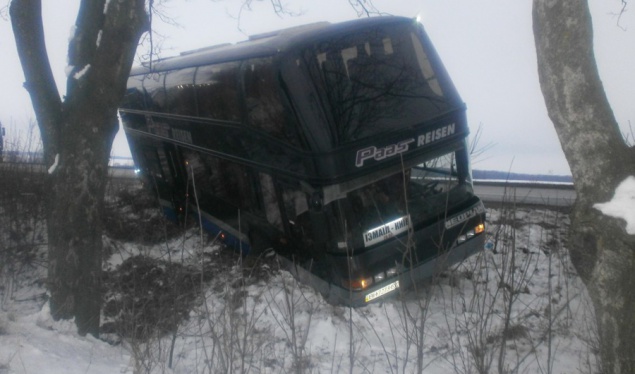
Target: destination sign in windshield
387, 231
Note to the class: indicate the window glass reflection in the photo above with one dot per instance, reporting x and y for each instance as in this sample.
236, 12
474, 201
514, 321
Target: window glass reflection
376, 81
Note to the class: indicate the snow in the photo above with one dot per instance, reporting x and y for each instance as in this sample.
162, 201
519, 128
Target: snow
106, 6
82, 72
269, 323
53, 167
36, 344
622, 205
99, 38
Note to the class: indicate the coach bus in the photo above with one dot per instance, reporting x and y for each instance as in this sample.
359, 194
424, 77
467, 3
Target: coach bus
341, 146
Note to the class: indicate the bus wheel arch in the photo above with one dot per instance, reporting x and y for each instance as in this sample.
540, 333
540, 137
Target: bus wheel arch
259, 242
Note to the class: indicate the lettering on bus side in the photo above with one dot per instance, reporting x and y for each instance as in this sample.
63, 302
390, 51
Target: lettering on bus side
382, 153
165, 131
158, 128
182, 135
438, 134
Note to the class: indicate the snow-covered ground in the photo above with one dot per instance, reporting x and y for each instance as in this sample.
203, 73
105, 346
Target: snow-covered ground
518, 307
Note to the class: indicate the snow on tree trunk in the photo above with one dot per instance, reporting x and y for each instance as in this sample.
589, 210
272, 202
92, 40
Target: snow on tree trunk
77, 136
602, 251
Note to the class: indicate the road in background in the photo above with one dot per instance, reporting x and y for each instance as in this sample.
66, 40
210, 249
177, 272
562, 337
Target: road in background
530, 193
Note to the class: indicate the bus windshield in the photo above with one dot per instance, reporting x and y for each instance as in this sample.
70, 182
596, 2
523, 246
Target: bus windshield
377, 80
373, 212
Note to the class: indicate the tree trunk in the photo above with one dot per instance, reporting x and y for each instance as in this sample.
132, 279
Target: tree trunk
602, 252
74, 219
77, 136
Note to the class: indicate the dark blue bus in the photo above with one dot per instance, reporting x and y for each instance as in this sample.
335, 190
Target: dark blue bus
340, 146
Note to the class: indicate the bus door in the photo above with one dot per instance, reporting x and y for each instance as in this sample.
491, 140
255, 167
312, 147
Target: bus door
278, 213
163, 169
153, 163
300, 223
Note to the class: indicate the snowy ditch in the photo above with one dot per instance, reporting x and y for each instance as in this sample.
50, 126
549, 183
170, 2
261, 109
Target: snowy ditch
517, 307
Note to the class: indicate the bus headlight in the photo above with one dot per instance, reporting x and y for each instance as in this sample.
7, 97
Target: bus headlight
391, 272
357, 284
478, 229
379, 277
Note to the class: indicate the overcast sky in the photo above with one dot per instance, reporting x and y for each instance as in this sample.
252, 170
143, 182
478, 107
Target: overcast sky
487, 47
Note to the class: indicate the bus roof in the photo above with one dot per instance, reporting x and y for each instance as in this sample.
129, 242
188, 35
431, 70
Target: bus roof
265, 44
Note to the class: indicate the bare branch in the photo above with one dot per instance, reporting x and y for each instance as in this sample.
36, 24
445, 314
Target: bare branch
4, 12
151, 43
283, 9
364, 7
618, 15
280, 9
156, 9
622, 12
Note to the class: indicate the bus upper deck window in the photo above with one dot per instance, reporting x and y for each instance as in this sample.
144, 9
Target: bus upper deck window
217, 91
153, 85
426, 66
265, 102
387, 46
180, 91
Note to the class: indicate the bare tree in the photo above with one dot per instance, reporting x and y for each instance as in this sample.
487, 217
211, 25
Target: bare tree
602, 251
77, 133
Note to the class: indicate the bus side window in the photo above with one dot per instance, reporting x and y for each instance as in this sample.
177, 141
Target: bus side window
426, 66
153, 85
199, 170
180, 92
217, 91
238, 185
135, 95
270, 201
264, 101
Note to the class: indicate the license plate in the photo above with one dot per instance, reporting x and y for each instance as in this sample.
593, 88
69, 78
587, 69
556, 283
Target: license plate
382, 291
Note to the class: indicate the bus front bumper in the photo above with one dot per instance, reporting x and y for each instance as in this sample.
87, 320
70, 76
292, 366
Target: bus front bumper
407, 279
